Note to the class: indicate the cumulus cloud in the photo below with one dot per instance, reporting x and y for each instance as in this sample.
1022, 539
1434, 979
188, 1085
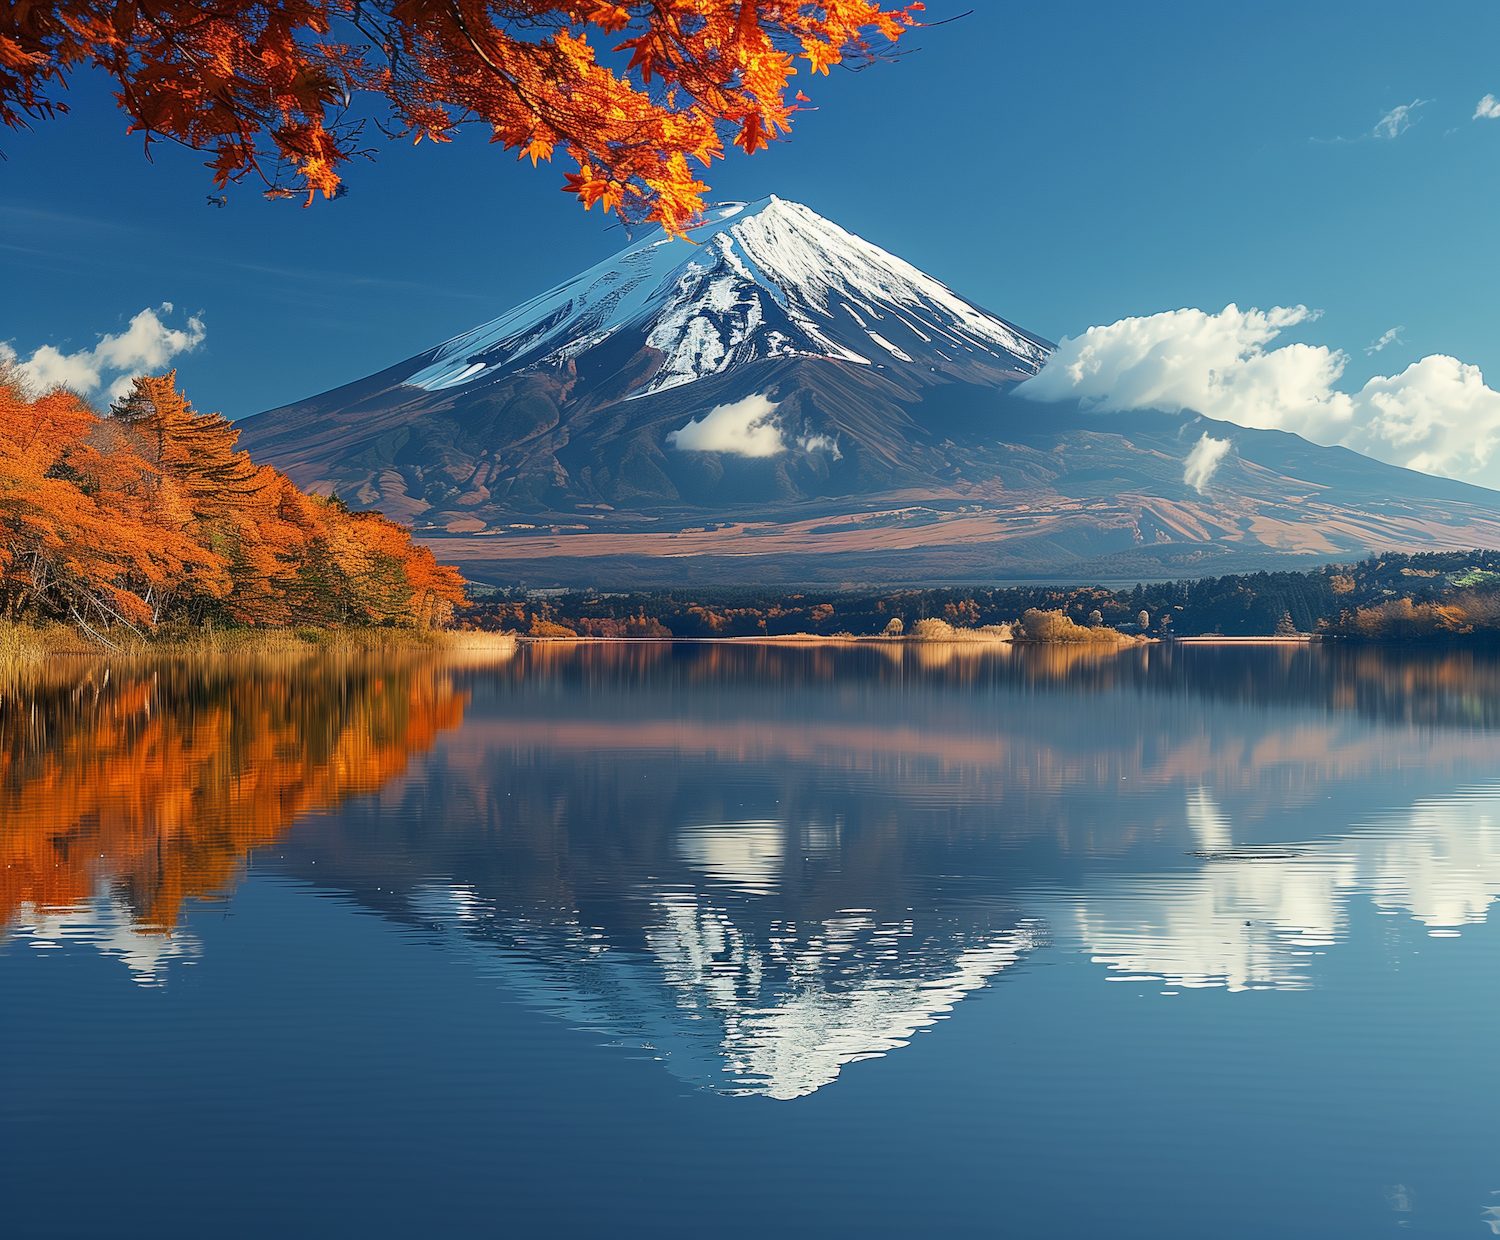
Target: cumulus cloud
1488, 109
1437, 415
1398, 120
1214, 364
147, 344
1203, 460
744, 428
1390, 337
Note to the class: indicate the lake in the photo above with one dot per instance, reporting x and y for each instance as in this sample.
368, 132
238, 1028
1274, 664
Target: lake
670, 940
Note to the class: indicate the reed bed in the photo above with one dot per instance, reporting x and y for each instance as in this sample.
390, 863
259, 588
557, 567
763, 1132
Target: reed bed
23, 646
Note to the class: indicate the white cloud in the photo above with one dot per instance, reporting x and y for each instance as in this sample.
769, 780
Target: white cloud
1398, 120
820, 443
1201, 462
147, 344
1394, 123
1437, 415
1214, 364
1488, 109
1390, 337
744, 428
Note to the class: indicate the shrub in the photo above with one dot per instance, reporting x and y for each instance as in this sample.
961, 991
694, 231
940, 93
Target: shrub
934, 630
1401, 618
1055, 626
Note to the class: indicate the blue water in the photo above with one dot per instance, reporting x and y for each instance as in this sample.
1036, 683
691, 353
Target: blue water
669, 941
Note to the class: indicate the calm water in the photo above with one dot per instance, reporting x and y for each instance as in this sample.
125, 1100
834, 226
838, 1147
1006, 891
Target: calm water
660, 941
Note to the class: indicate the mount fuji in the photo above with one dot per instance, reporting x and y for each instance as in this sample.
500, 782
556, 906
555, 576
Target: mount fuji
774, 399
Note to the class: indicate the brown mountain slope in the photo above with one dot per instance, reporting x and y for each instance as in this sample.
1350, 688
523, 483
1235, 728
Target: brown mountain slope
534, 481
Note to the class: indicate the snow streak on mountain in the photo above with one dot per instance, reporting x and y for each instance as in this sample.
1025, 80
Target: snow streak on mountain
757, 281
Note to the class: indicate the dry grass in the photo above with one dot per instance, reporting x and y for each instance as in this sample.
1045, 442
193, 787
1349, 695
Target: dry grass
290, 641
22, 645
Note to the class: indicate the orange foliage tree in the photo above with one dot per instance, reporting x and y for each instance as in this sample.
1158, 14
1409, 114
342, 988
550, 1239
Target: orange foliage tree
270, 85
83, 534
151, 514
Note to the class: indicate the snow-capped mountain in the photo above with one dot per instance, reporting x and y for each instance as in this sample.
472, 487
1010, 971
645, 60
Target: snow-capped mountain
775, 399
756, 281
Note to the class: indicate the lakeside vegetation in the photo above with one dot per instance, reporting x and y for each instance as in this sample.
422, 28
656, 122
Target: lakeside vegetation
1390, 597
146, 525
22, 644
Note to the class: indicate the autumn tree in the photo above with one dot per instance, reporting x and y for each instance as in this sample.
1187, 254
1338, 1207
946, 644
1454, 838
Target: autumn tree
282, 88
152, 515
386, 578
82, 535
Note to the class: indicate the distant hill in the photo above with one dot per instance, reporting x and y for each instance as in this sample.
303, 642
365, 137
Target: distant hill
866, 430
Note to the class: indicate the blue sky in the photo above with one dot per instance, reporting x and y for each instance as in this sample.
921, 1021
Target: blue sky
1062, 165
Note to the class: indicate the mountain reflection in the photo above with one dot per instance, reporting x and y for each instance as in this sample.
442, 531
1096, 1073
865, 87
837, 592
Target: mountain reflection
764, 863
127, 789
727, 999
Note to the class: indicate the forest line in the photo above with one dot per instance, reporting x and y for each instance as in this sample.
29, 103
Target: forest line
1393, 596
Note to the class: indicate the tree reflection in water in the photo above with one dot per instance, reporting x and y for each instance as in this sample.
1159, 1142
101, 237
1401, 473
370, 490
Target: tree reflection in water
157, 779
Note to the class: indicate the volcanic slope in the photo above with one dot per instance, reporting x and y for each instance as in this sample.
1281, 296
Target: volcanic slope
781, 401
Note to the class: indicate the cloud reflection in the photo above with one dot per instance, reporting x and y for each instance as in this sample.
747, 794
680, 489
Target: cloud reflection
109, 925
743, 856
736, 991
1253, 918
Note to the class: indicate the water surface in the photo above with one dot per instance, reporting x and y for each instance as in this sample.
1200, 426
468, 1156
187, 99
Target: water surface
659, 940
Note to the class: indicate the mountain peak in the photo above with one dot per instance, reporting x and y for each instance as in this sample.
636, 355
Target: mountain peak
753, 281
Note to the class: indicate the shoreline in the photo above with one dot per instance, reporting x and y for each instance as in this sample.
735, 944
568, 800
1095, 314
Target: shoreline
818, 639
20, 644
1299, 639
878, 639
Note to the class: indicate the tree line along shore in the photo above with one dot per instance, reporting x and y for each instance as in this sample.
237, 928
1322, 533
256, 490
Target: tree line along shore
1391, 597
